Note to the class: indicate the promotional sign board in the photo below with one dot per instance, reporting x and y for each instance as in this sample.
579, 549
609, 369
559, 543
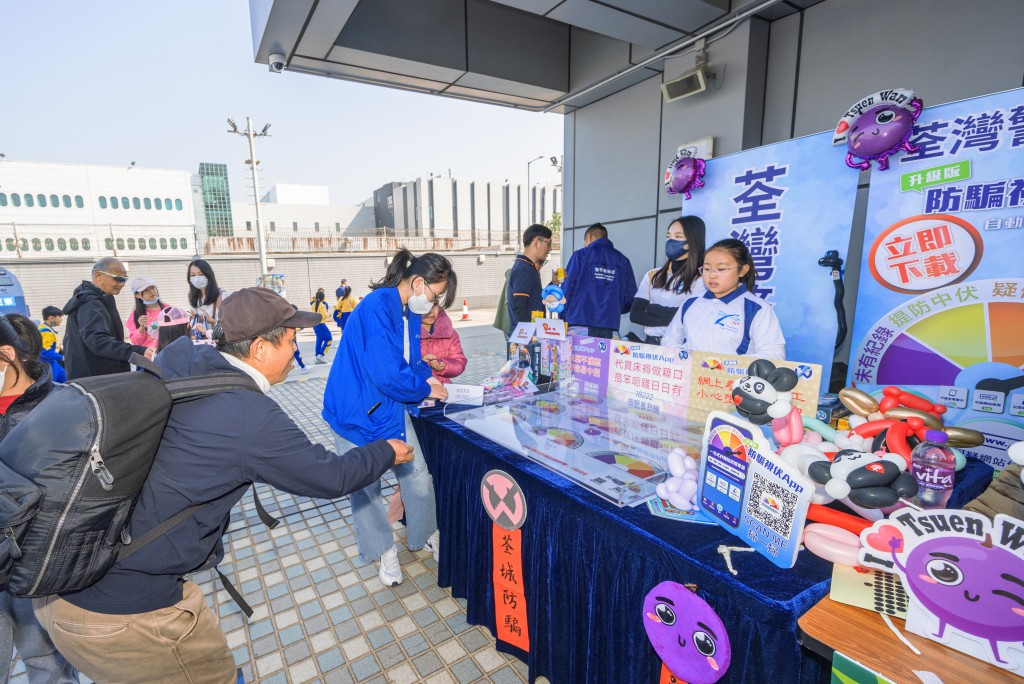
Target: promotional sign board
963, 573
749, 491
790, 203
940, 303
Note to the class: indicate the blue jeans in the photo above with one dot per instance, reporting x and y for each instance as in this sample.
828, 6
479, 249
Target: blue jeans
19, 626
370, 516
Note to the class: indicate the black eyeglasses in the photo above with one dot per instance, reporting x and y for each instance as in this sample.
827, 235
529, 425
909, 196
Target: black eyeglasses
437, 298
117, 278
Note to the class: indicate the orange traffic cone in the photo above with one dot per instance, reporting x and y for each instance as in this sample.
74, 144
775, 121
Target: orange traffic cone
465, 311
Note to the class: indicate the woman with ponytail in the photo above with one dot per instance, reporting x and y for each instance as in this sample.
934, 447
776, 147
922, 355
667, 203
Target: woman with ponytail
24, 382
377, 381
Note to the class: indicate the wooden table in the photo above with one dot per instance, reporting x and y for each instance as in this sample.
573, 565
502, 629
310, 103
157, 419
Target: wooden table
861, 635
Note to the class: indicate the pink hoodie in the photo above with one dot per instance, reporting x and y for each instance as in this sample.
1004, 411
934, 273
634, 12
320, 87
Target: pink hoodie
144, 337
443, 342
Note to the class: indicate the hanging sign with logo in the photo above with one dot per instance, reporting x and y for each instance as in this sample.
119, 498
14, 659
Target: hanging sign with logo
505, 504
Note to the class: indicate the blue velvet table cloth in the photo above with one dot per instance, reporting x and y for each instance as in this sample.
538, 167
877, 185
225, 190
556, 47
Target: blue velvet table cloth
588, 564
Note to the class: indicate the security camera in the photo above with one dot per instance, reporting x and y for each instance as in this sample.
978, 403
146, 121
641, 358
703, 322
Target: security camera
277, 63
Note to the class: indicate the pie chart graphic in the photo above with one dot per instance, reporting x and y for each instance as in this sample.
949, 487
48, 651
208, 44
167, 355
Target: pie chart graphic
725, 439
548, 406
597, 423
566, 438
631, 464
930, 340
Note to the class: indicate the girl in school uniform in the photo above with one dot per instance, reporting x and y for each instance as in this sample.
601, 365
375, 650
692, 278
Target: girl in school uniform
663, 289
728, 318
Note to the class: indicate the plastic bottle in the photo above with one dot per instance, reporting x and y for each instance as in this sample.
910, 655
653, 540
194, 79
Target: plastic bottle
933, 465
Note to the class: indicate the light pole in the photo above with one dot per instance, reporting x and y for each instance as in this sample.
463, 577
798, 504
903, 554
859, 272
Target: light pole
529, 191
248, 133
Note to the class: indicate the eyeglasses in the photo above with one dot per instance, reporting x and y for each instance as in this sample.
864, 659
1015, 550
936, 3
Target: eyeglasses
704, 270
116, 278
436, 299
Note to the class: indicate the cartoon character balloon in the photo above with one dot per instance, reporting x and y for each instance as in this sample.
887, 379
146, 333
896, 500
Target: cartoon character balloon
683, 175
686, 634
554, 299
877, 127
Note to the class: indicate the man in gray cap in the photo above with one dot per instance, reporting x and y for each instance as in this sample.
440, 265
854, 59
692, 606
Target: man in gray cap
94, 338
143, 616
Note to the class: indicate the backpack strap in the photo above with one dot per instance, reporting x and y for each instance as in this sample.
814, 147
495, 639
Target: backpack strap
211, 383
136, 545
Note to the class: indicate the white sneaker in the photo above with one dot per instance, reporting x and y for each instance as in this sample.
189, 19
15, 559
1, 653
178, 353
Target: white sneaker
434, 544
390, 574
320, 359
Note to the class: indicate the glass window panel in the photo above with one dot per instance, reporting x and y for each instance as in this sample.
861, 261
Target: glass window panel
79, 202
103, 202
29, 200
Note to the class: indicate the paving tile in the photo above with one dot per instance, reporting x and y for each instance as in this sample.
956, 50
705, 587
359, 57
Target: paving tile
346, 631
371, 621
437, 633
415, 644
403, 626
323, 641
427, 664
330, 660
308, 610
363, 605
316, 624
425, 617
354, 648
296, 652
267, 644
488, 659
403, 674
290, 635
285, 618
441, 677
390, 655
268, 665
393, 611
365, 667
474, 640
451, 651
339, 615
466, 671
506, 675
303, 672
379, 637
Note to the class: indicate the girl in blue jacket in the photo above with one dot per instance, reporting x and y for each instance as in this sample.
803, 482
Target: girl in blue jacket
377, 381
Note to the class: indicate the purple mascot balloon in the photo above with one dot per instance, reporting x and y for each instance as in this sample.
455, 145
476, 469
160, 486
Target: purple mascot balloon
683, 175
877, 127
686, 634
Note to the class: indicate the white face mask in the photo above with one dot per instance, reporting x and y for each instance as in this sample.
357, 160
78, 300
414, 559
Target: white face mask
3, 374
419, 304
199, 282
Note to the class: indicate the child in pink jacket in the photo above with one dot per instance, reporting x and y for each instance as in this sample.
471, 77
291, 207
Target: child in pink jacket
440, 346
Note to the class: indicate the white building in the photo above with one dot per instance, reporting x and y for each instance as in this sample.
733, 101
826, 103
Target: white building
478, 213
54, 210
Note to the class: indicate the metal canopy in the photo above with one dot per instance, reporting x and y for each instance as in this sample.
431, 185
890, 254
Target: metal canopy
516, 53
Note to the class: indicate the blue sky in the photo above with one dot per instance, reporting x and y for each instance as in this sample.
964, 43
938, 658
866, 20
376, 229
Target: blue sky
119, 81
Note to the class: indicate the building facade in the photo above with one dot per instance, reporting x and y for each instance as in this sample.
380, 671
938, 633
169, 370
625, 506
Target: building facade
471, 212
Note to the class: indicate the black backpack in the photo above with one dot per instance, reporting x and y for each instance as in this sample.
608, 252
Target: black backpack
71, 471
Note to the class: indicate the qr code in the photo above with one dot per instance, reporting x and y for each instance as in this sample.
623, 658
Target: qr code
771, 504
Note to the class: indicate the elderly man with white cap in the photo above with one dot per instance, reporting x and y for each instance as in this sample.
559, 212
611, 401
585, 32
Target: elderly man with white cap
94, 339
143, 323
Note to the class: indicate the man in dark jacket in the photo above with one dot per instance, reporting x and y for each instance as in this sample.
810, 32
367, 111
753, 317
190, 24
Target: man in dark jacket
523, 290
599, 285
142, 617
94, 339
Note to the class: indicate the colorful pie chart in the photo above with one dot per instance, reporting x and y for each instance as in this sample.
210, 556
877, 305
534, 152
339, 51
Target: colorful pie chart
943, 340
548, 406
631, 464
566, 438
726, 439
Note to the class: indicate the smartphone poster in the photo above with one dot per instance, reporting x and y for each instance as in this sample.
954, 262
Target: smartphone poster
749, 491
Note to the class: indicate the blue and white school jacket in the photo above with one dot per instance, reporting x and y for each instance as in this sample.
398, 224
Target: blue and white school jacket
738, 323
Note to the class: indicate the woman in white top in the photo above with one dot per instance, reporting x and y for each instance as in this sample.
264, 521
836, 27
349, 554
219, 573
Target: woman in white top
205, 298
728, 318
663, 289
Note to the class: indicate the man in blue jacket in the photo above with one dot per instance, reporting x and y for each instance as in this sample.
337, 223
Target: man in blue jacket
143, 621
599, 285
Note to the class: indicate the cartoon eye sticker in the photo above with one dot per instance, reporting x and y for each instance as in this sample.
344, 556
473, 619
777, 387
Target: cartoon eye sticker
759, 387
665, 614
1018, 609
704, 641
884, 117
943, 570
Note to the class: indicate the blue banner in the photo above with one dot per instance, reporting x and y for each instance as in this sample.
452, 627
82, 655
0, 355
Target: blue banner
790, 203
940, 304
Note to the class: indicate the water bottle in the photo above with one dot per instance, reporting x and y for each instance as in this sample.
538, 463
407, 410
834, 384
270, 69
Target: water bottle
933, 465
